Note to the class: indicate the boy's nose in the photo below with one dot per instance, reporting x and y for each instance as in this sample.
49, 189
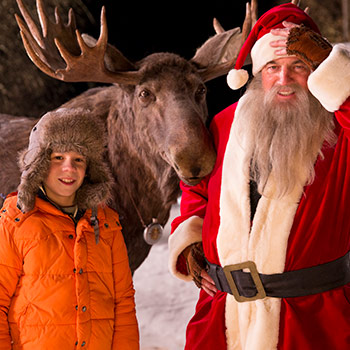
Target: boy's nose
68, 165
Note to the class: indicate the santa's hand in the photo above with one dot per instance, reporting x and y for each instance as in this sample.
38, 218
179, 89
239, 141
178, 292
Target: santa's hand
302, 42
196, 267
282, 43
208, 284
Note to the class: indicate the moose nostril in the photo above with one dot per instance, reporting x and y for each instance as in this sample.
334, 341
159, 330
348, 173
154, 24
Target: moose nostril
195, 171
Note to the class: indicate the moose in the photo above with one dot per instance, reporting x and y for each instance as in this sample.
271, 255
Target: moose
155, 114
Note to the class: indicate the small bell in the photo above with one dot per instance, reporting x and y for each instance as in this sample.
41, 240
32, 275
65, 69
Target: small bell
153, 232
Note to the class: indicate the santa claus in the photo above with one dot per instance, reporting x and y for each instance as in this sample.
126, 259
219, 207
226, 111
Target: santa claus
267, 234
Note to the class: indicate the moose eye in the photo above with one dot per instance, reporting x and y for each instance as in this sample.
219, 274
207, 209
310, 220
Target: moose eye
201, 92
146, 96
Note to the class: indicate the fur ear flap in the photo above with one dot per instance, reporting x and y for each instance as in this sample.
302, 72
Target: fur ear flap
31, 179
96, 187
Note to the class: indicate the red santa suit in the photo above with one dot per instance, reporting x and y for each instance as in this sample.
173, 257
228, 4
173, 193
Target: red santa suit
307, 227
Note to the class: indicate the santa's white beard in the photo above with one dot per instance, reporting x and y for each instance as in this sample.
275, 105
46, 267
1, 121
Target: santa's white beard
283, 137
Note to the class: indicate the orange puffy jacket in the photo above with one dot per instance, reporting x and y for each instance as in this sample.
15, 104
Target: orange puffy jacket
59, 290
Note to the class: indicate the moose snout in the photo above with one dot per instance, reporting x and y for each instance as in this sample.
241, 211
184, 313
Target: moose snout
192, 177
190, 153
192, 165
194, 172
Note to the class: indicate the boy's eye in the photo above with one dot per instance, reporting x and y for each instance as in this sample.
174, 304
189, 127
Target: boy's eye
57, 157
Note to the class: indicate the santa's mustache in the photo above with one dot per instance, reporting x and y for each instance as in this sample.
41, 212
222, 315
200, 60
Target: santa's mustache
284, 90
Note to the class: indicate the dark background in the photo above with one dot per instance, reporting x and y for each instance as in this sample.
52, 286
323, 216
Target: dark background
137, 28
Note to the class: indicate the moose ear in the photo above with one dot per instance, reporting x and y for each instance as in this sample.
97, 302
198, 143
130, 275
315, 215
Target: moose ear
218, 49
114, 60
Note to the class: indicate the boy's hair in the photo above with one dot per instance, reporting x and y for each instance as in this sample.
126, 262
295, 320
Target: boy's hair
64, 130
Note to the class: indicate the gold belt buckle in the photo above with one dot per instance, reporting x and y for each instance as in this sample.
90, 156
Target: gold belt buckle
250, 265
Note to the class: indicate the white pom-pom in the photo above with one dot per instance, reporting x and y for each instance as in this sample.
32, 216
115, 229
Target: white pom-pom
236, 78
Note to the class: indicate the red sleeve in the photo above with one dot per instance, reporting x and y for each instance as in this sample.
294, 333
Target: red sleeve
343, 116
193, 202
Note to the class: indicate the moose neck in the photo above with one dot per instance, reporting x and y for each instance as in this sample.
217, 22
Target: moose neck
142, 173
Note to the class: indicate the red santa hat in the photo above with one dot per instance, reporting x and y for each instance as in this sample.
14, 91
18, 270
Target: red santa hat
258, 41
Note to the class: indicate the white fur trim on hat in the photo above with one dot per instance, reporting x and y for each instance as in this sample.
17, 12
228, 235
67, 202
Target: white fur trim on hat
330, 82
188, 232
236, 78
262, 53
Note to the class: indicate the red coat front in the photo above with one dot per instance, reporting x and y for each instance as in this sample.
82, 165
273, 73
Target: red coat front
307, 228
59, 290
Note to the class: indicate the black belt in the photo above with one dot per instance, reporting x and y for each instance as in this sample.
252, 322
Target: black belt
248, 286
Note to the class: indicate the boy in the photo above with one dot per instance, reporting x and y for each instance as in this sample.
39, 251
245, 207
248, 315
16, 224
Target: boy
65, 281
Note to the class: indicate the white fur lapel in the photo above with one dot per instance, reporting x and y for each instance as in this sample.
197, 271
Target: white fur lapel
252, 325
330, 82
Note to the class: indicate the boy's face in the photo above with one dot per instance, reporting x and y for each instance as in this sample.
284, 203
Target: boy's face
66, 174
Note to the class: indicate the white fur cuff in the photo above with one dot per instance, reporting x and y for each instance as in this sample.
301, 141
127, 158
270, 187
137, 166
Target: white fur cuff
262, 53
188, 232
330, 82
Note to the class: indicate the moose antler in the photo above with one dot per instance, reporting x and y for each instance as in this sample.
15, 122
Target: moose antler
62, 53
251, 15
217, 26
297, 3
249, 21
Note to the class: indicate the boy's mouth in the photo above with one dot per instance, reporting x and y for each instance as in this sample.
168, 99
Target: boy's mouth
67, 181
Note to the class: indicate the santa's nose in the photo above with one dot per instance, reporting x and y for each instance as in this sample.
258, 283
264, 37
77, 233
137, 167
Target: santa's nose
284, 77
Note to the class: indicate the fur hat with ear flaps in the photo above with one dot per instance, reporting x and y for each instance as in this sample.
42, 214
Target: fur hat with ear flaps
66, 130
258, 41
